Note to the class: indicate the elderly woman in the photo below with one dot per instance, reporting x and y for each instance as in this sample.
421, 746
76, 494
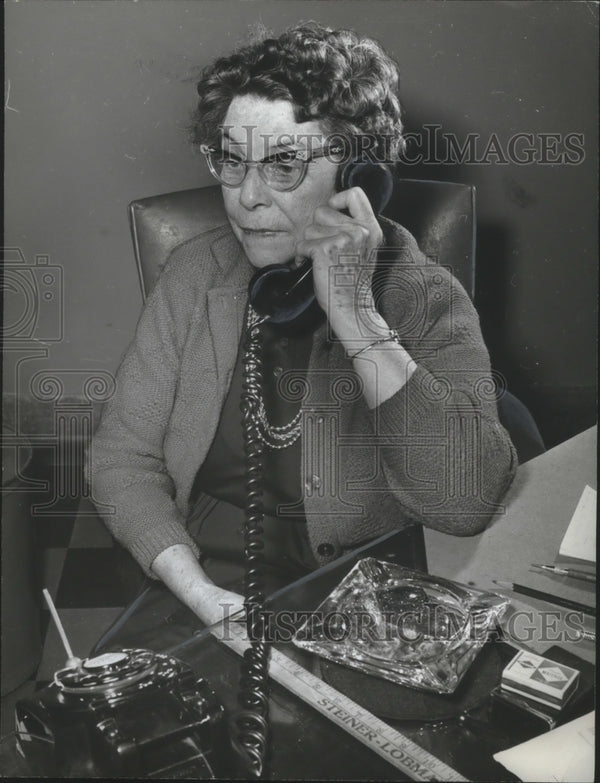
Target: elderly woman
370, 416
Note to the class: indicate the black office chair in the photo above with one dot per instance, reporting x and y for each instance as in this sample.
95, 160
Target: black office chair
517, 420
440, 215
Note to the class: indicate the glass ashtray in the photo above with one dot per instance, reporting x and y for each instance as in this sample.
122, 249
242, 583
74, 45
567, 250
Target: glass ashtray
408, 627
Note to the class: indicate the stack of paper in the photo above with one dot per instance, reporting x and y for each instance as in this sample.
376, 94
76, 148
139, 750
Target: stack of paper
580, 539
565, 754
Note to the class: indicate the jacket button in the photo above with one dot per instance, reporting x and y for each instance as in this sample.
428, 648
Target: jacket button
325, 550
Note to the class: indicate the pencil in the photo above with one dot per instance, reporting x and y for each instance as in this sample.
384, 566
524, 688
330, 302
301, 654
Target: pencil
552, 599
574, 573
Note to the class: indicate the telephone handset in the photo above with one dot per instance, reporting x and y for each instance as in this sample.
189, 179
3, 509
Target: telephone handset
287, 295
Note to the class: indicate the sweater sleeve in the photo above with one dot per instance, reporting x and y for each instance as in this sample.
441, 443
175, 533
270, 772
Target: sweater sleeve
444, 453
125, 464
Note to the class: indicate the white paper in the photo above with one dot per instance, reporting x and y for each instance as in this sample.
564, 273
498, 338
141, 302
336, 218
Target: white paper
580, 539
565, 754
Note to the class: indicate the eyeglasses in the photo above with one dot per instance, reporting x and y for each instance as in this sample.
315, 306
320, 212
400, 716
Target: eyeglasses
283, 170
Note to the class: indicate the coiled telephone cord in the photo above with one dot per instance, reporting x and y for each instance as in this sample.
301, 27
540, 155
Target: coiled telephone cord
250, 726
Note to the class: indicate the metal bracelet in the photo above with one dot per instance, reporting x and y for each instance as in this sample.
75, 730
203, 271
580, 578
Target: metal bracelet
393, 336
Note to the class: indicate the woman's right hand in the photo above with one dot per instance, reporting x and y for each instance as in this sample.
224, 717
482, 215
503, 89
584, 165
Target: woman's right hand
219, 604
178, 568
224, 611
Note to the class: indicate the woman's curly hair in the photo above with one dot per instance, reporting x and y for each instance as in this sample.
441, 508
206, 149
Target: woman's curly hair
345, 82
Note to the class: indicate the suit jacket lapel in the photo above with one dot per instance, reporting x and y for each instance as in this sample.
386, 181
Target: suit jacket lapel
226, 305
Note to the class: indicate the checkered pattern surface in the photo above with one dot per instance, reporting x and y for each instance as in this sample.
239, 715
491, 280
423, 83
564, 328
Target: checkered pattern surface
77, 564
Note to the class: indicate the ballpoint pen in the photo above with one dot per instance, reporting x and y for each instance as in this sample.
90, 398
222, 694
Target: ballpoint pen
553, 599
576, 573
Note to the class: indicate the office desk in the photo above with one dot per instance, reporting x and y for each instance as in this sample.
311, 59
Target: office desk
529, 529
306, 745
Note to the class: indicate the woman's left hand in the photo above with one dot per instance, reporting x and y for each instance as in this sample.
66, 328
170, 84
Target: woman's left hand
342, 250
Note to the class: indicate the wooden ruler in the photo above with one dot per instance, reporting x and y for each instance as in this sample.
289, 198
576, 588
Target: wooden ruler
400, 751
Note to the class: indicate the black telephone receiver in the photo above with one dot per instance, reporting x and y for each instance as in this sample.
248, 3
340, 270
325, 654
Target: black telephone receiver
287, 295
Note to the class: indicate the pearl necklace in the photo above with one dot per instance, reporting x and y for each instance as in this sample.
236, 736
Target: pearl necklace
271, 435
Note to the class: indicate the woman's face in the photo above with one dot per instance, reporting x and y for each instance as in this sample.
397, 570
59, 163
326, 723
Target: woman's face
269, 223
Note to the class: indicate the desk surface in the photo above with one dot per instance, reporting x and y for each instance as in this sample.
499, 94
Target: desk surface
536, 513
304, 744
529, 529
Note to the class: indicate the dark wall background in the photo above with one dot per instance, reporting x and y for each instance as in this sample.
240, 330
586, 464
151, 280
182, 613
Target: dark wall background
98, 96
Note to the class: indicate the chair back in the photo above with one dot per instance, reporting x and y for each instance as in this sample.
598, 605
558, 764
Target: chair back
440, 215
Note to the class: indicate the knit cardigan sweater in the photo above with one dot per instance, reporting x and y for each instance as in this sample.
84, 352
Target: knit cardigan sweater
433, 453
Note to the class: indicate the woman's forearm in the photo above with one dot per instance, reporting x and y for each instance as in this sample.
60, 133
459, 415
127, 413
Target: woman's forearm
179, 569
383, 368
